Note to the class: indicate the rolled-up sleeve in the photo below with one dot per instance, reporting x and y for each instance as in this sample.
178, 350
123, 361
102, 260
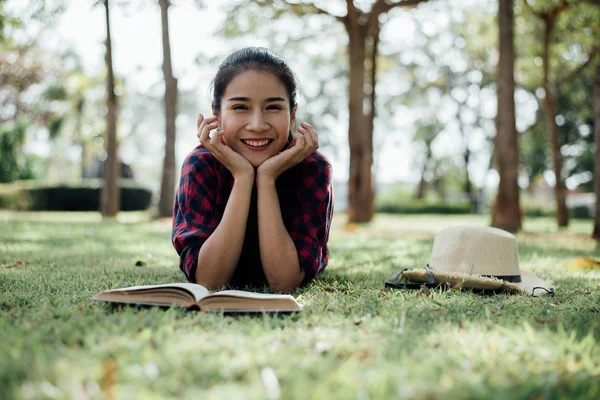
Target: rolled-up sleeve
195, 214
310, 227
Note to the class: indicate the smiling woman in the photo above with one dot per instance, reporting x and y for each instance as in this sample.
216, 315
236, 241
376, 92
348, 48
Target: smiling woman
255, 201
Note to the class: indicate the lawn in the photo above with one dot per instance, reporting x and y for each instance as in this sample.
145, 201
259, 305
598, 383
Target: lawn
354, 340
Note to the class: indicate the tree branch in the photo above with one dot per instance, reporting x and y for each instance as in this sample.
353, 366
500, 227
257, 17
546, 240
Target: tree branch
538, 14
553, 13
301, 9
385, 7
577, 71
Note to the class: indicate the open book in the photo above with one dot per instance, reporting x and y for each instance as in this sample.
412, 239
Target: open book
192, 295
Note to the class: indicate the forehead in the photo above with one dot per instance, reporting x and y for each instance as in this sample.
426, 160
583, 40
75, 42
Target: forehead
255, 85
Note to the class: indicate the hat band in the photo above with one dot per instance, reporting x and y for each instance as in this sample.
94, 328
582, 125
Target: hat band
507, 278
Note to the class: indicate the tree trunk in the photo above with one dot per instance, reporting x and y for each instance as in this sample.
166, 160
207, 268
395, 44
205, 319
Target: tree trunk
112, 165
549, 107
360, 185
422, 186
167, 187
420, 195
596, 233
506, 213
468, 187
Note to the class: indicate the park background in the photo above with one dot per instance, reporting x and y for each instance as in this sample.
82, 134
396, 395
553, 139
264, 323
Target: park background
430, 137
433, 113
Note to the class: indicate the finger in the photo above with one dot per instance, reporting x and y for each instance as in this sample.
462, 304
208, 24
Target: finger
313, 134
199, 121
205, 130
221, 134
300, 142
306, 136
214, 140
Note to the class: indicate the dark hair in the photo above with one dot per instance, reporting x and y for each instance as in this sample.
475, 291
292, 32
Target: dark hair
256, 59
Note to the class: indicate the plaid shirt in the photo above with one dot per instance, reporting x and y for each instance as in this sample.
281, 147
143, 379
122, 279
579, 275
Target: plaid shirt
306, 201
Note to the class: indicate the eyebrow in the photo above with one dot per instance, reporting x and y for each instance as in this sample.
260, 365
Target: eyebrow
268, 99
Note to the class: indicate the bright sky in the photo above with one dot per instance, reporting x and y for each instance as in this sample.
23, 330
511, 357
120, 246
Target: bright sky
137, 56
137, 43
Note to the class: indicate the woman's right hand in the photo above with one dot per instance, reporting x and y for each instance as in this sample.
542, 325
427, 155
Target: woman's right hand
234, 162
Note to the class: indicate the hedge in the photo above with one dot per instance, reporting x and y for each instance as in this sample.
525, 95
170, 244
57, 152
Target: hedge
80, 197
419, 207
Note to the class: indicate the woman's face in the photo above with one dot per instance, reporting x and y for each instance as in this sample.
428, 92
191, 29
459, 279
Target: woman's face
255, 115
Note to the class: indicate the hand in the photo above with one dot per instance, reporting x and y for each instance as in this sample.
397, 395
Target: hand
303, 145
234, 162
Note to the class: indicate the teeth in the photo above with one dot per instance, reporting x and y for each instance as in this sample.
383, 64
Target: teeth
256, 143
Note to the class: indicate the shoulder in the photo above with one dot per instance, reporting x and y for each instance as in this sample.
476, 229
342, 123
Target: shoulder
201, 167
314, 174
317, 163
200, 160
199, 156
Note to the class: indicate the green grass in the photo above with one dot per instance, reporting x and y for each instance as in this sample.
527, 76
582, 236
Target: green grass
355, 339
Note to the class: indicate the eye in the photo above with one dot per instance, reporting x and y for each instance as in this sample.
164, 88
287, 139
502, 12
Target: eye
239, 107
274, 107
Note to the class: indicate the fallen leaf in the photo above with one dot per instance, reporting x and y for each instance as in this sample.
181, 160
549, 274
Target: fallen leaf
351, 227
583, 263
13, 265
108, 380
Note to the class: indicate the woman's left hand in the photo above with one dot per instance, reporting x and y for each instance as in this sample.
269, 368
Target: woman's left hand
304, 144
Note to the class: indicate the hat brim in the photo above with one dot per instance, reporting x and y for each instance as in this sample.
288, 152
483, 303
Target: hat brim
530, 283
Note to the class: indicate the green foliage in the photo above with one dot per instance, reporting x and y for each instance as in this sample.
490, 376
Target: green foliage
581, 212
83, 196
400, 200
571, 71
355, 339
14, 164
423, 207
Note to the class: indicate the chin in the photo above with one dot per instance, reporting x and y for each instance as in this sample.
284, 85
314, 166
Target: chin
256, 163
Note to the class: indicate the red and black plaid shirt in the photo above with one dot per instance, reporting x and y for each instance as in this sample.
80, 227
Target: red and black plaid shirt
306, 201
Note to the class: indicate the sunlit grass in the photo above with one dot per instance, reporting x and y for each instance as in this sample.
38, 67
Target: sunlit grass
355, 339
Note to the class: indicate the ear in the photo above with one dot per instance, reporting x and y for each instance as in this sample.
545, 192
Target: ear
293, 115
216, 113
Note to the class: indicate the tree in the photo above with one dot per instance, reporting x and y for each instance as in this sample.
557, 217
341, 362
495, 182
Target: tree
363, 29
506, 213
453, 76
167, 187
25, 71
426, 133
596, 232
110, 189
549, 18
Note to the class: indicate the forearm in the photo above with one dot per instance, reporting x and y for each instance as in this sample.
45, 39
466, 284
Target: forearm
278, 253
220, 253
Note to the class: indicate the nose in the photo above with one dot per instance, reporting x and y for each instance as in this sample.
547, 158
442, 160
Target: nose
257, 122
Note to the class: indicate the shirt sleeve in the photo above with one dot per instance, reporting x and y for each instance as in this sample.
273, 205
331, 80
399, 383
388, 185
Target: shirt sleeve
310, 226
195, 215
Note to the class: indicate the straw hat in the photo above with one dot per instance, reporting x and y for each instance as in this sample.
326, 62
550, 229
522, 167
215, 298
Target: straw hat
476, 257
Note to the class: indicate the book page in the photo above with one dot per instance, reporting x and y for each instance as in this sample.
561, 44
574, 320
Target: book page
197, 291
243, 301
252, 295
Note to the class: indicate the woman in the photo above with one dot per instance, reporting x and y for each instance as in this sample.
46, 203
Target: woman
255, 201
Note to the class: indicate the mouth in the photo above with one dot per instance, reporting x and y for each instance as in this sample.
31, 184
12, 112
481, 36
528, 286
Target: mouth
257, 144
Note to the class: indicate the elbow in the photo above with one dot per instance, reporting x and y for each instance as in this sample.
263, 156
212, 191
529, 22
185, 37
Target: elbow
286, 285
211, 283
279, 288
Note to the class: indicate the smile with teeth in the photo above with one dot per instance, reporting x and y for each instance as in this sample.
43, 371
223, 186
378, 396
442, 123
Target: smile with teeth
256, 143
